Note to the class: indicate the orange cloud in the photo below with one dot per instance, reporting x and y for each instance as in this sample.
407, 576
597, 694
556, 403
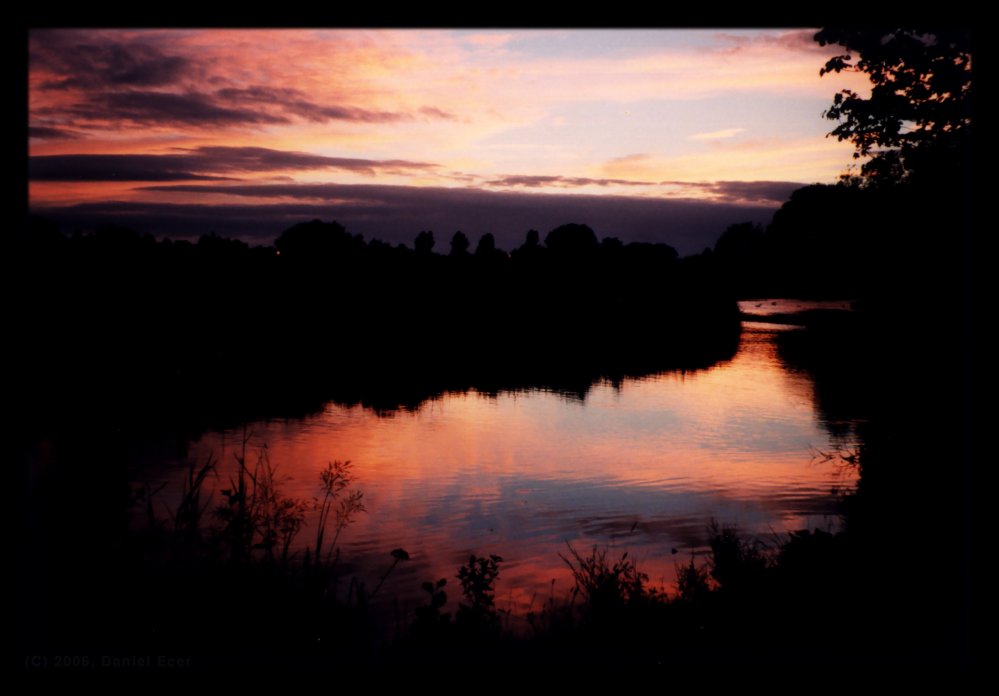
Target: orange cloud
804, 160
717, 135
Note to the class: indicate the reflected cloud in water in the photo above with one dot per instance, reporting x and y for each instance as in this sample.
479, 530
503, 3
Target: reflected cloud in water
643, 465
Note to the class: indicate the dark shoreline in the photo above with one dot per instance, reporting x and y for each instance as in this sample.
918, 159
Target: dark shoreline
127, 329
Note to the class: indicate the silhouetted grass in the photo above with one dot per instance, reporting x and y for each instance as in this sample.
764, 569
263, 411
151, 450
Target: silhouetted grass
261, 605
336, 479
608, 589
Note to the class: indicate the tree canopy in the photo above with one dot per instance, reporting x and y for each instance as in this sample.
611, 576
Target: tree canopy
917, 119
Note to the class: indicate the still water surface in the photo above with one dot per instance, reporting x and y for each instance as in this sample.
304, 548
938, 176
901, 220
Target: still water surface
643, 466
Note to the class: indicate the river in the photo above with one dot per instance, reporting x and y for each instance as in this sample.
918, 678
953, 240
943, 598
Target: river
643, 466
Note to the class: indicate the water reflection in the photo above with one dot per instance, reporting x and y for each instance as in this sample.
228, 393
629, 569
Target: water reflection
642, 465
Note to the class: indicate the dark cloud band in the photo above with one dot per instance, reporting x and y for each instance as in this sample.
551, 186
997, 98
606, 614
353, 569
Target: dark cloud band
51, 133
106, 79
753, 192
114, 168
203, 163
87, 60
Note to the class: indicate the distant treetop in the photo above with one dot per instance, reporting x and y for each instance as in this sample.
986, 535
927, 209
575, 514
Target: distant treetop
572, 239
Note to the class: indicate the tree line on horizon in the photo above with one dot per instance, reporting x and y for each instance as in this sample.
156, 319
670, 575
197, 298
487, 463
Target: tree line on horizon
123, 317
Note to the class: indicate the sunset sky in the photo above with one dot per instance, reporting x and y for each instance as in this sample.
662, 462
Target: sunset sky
642, 134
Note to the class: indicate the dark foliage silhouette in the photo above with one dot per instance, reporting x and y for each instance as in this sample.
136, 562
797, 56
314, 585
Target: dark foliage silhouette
459, 244
217, 330
917, 119
477, 614
572, 240
424, 243
906, 217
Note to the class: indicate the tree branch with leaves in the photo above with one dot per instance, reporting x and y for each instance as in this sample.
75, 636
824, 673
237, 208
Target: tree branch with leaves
916, 123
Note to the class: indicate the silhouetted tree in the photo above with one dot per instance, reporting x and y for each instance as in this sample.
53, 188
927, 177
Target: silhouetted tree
530, 251
212, 244
424, 242
486, 245
611, 244
459, 244
651, 253
739, 241
918, 117
572, 240
313, 240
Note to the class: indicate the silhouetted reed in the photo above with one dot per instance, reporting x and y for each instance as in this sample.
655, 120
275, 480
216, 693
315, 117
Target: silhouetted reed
336, 478
257, 519
606, 587
477, 615
188, 518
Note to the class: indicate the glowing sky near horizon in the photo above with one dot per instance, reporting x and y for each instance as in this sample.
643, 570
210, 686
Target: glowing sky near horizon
238, 117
